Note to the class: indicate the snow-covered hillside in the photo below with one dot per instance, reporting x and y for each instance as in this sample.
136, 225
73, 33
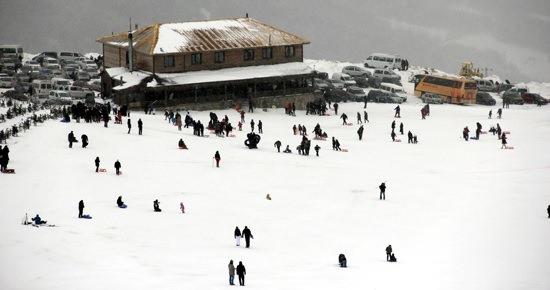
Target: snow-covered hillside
459, 215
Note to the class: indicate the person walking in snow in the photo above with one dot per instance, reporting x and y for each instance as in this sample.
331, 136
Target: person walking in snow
156, 206
393, 135
466, 133
366, 116
140, 127
490, 114
96, 161
84, 139
278, 146
389, 251
129, 122
344, 118
499, 113
317, 147
360, 132
382, 191
247, 234
359, 118
252, 124
80, 208
335, 106
337, 145
401, 128
237, 235
71, 139
242, 116
241, 272
409, 137
231, 273
393, 125
117, 167
397, 112
217, 157
504, 141
260, 127
182, 207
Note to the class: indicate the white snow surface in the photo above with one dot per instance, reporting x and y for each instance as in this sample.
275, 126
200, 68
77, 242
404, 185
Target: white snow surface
459, 215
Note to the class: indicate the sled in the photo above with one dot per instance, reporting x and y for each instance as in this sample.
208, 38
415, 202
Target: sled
42, 225
508, 147
348, 124
9, 171
344, 150
506, 132
86, 216
102, 170
483, 132
232, 135
397, 140
119, 173
320, 138
182, 148
123, 206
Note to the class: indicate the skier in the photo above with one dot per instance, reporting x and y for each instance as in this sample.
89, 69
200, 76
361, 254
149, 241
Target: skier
72, 139
382, 191
359, 118
140, 127
401, 128
317, 147
366, 116
490, 114
156, 206
181, 144
360, 132
260, 127
247, 235
241, 271
120, 203
252, 124
96, 161
129, 125
503, 140
344, 117
278, 145
499, 113
237, 236
80, 208
342, 260
231, 272
117, 167
182, 207
84, 138
217, 158
389, 251
397, 112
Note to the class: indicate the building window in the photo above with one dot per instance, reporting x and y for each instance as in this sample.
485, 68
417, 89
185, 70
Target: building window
196, 58
289, 51
219, 56
248, 54
169, 61
267, 52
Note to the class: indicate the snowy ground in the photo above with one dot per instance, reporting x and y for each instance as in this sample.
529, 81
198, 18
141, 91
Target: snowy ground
459, 215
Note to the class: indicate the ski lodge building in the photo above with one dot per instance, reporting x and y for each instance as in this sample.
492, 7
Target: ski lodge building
206, 65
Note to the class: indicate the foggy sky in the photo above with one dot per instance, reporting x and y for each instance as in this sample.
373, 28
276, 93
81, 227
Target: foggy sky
510, 37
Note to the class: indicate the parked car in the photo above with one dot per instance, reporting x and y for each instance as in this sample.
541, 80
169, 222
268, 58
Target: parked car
7, 82
485, 85
430, 98
95, 85
382, 60
59, 95
42, 88
92, 72
362, 82
531, 98
513, 95
78, 92
83, 76
355, 71
379, 96
335, 84
392, 88
68, 56
359, 93
86, 63
483, 98
321, 84
386, 74
338, 95
346, 79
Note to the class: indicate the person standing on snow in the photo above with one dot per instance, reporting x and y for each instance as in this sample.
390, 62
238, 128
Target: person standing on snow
252, 124
247, 234
382, 191
393, 135
129, 125
241, 271
237, 236
140, 127
217, 157
410, 137
344, 118
499, 113
389, 251
366, 116
278, 145
242, 116
96, 161
548, 210
260, 127
317, 147
80, 208
231, 273
359, 118
401, 128
335, 106
117, 167
360, 132
504, 141
490, 114
397, 112
72, 139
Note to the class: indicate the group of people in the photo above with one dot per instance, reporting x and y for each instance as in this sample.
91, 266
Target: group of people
72, 139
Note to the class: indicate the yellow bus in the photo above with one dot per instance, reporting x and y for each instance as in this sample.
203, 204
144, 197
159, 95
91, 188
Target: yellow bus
451, 89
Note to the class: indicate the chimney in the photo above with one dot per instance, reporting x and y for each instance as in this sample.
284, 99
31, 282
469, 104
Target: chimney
130, 48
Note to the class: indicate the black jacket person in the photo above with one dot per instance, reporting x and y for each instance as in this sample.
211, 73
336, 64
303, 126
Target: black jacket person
117, 167
247, 235
241, 271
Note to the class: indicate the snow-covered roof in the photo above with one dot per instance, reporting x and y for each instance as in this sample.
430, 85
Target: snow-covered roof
204, 36
131, 79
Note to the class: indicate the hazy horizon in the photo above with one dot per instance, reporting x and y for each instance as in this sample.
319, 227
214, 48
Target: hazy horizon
509, 37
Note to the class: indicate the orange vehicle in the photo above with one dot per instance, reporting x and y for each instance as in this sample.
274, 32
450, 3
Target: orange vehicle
452, 90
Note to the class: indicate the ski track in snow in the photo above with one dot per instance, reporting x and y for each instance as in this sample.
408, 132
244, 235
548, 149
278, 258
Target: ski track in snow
459, 215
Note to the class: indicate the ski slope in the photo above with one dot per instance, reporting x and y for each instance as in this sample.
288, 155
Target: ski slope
459, 215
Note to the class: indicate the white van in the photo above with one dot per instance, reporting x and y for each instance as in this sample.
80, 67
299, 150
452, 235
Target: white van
60, 82
42, 88
348, 81
389, 87
382, 60
61, 95
11, 51
485, 85
64, 56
